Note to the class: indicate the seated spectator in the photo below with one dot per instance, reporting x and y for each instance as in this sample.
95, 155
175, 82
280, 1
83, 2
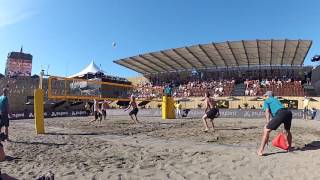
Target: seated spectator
263, 83
279, 83
247, 92
267, 82
251, 92
313, 113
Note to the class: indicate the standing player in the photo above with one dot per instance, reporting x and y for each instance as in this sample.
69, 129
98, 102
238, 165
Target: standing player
134, 111
275, 110
104, 107
178, 107
96, 112
4, 111
88, 108
305, 108
211, 111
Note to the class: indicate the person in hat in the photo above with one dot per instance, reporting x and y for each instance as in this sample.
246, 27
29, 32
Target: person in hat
275, 114
133, 104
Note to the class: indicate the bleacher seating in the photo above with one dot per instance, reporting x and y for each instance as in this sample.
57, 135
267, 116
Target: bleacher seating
279, 87
190, 89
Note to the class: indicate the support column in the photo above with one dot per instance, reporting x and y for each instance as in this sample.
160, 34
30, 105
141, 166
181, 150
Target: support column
168, 108
38, 111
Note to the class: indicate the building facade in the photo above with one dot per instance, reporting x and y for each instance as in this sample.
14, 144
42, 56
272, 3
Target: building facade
18, 64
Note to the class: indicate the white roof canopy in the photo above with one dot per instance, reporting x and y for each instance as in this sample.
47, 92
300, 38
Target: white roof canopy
92, 68
221, 55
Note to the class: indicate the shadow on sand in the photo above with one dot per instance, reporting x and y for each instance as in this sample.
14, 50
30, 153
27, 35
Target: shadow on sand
314, 145
10, 158
5, 176
39, 143
76, 134
235, 129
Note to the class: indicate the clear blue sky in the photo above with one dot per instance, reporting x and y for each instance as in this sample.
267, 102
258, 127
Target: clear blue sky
68, 34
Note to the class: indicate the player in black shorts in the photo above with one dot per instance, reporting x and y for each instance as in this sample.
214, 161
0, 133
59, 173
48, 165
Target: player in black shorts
275, 110
211, 111
4, 113
135, 110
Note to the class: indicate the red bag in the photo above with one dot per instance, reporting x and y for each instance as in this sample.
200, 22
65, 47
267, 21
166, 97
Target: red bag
280, 141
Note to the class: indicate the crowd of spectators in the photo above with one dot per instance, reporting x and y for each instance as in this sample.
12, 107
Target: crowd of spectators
187, 89
147, 90
191, 88
279, 86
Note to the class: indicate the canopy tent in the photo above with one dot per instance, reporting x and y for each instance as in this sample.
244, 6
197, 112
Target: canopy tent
92, 69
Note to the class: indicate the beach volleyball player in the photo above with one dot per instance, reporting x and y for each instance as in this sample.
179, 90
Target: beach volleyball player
96, 112
275, 114
211, 111
135, 110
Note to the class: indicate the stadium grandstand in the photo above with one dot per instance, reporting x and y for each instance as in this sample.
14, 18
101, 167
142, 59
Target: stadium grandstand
245, 69
231, 68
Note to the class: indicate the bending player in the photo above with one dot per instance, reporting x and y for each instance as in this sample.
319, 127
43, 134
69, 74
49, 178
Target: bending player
211, 111
276, 115
135, 110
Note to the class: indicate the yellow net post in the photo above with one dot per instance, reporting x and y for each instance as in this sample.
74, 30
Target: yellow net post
168, 108
164, 107
38, 111
39, 107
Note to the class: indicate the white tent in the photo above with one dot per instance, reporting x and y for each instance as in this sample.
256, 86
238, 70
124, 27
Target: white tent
92, 68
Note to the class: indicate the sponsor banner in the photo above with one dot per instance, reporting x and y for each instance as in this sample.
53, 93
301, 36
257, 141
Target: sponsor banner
48, 114
198, 113
193, 113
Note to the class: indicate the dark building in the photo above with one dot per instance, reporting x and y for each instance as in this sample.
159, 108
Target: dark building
18, 64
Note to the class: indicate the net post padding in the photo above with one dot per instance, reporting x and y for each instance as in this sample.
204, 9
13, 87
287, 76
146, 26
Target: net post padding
168, 108
39, 111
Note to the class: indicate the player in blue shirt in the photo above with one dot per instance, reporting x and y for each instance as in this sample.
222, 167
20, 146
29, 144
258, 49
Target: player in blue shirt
275, 114
4, 111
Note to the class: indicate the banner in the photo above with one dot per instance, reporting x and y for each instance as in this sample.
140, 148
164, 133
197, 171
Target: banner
18, 67
193, 113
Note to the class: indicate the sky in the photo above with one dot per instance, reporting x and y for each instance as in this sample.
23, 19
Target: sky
66, 35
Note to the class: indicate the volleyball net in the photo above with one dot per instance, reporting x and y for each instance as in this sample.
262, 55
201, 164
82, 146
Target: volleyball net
89, 89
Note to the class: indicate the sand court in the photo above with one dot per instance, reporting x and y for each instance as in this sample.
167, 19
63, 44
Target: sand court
157, 149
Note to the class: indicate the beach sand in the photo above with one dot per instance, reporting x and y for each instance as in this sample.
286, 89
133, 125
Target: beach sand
157, 149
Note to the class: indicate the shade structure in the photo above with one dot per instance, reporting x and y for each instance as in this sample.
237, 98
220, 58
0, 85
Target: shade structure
229, 54
143, 103
232, 99
312, 100
123, 103
92, 68
184, 100
257, 99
